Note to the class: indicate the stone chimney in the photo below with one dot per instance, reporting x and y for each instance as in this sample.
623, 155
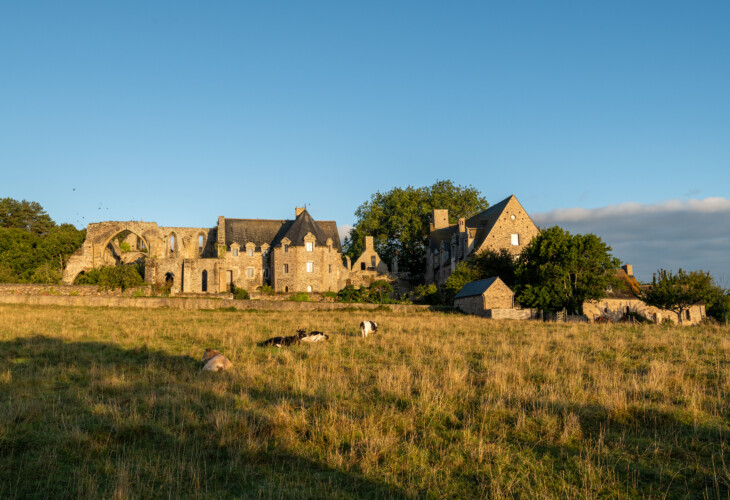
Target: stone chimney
299, 210
369, 245
221, 230
628, 269
440, 219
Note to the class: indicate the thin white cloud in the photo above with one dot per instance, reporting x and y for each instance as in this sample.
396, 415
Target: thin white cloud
691, 234
344, 230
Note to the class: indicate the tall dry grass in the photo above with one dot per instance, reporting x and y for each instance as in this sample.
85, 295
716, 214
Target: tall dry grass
110, 403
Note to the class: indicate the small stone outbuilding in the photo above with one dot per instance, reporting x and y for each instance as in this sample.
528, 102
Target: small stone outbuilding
482, 296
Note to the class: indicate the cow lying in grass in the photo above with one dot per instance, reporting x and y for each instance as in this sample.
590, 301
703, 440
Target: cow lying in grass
368, 327
315, 337
214, 361
301, 336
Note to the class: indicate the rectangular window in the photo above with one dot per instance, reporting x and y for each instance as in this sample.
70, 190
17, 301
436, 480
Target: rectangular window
250, 252
286, 248
286, 268
310, 246
515, 239
250, 272
688, 314
330, 268
266, 273
310, 267
234, 252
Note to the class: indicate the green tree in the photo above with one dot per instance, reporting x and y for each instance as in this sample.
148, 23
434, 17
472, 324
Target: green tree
483, 265
113, 277
379, 292
26, 215
678, 292
558, 270
399, 221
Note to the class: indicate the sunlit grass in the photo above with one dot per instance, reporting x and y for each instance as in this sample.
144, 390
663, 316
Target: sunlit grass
108, 403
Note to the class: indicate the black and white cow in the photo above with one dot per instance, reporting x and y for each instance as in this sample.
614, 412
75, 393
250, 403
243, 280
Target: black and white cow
284, 341
315, 337
368, 327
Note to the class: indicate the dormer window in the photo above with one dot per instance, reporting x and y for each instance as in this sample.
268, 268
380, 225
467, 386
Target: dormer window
249, 252
310, 246
286, 248
234, 252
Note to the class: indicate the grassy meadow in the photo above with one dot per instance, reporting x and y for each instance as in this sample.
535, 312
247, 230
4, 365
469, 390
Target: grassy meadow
110, 403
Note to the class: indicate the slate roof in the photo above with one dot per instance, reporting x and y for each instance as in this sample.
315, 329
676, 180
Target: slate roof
271, 232
474, 288
439, 235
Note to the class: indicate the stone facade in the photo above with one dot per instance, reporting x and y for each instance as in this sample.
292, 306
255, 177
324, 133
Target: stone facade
503, 225
478, 297
299, 255
619, 304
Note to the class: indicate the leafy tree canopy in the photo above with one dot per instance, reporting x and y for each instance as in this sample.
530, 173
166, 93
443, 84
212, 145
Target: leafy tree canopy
481, 266
26, 215
559, 270
399, 221
678, 292
32, 247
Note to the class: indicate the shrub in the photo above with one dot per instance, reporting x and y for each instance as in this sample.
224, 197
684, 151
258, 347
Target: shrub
123, 277
267, 290
427, 294
240, 294
46, 273
90, 277
299, 297
349, 294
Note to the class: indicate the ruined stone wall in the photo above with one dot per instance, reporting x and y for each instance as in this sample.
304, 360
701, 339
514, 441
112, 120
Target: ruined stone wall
615, 309
95, 250
518, 314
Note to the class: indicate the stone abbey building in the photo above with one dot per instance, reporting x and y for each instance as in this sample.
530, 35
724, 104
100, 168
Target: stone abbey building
299, 255
503, 225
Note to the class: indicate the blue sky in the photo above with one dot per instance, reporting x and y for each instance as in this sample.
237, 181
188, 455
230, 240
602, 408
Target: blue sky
178, 112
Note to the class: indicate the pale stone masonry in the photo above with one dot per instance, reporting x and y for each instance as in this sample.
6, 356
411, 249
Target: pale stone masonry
479, 297
620, 303
299, 255
503, 225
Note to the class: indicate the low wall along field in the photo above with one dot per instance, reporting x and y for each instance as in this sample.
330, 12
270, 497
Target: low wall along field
110, 403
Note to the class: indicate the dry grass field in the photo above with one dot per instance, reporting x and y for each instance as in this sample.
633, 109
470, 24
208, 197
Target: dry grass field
110, 403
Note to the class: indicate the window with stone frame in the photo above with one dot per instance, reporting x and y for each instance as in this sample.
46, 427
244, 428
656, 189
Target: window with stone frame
310, 267
310, 246
234, 252
286, 268
249, 252
250, 272
515, 239
286, 248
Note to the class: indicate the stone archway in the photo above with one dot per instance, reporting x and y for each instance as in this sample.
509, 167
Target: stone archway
124, 247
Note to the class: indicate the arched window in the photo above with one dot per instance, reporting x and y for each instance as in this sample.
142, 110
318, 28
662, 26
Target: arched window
170, 278
172, 243
309, 288
204, 281
200, 243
